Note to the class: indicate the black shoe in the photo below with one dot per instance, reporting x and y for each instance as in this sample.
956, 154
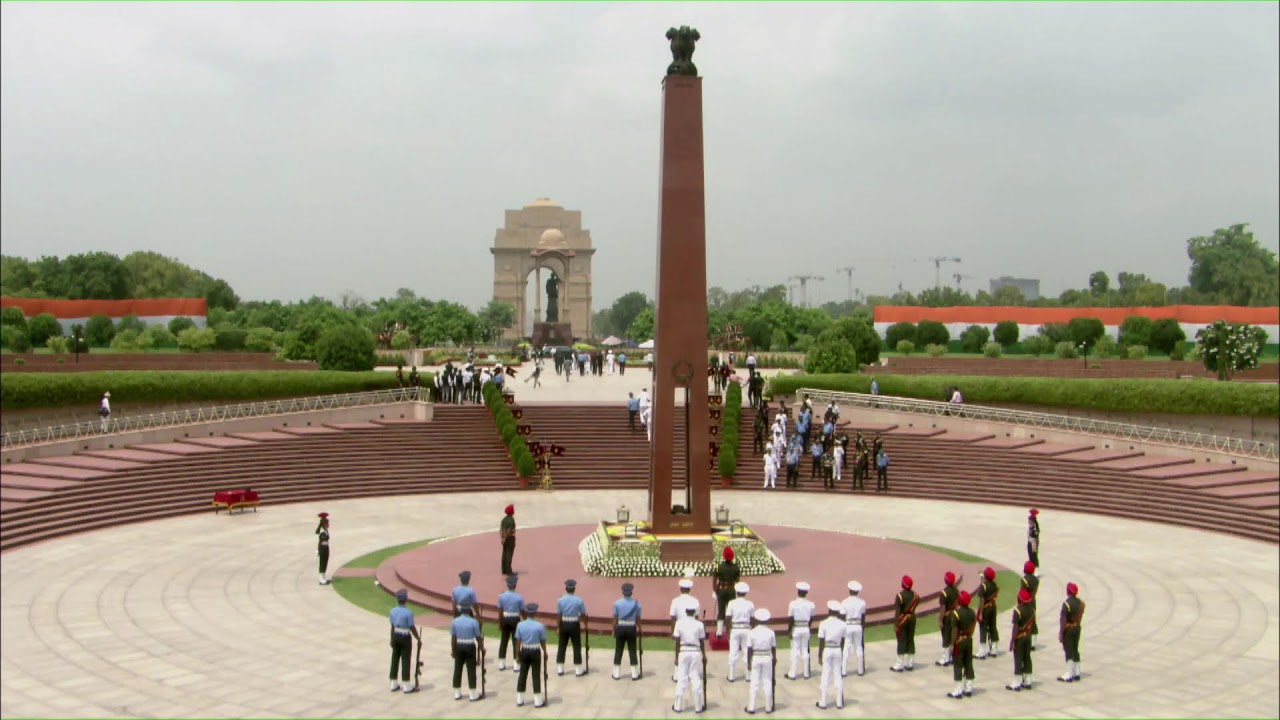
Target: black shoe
968, 693
675, 709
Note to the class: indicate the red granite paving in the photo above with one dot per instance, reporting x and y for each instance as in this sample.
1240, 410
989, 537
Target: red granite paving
1050, 449
352, 425
1009, 443
56, 471
223, 441
91, 463
21, 495
1265, 503
264, 435
916, 432
7, 505
1261, 489
399, 421
966, 437
31, 482
1239, 478
129, 454
175, 448
314, 430
1271, 512
878, 563
1100, 455
1144, 462
1186, 470
854, 425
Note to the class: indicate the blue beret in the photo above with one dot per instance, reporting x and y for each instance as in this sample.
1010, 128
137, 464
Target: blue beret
465, 576
531, 608
402, 595
627, 588
571, 584
512, 580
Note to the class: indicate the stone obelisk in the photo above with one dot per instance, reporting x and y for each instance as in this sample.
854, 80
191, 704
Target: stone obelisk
680, 328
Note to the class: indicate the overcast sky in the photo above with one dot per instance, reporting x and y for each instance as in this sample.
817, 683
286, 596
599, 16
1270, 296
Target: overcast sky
297, 149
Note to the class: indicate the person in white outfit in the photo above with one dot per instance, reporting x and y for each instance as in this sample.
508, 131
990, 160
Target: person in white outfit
770, 470
739, 611
837, 463
610, 361
855, 613
762, 656
831, 635
679, 604
690, 637
801, 613
104, 410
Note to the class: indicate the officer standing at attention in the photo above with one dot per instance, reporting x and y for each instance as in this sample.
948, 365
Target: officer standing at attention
963, 622
1069, 632
740, 610
465, 642
988, 634
800, 612
531, 648
690, 637
762, 656
855, 613
463, 594
1033, 537
403, 632
679, 605
727, 575
573, 618
323, 546
904, 625
507, 533
1031, 583
831, 636
1024, 618
510, 603
626, 624
946, 605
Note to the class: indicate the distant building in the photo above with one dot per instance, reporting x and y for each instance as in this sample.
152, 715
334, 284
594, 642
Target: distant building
1030, 288
151, 311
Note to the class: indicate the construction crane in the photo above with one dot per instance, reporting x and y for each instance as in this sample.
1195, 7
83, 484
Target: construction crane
937, 268
959, 277
804, 285
848, 271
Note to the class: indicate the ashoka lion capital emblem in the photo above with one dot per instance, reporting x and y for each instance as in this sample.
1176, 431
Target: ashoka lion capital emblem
682, 40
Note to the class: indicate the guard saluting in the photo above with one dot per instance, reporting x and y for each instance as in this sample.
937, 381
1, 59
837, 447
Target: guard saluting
1069, 632
510, 603
531, 647
963, 621
1033, 537
904, 626
573, 620
323, 548
466, 644
402, 632
464, 595
946, 605
626, 624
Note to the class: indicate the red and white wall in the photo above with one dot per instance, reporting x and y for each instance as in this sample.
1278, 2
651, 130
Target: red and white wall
1191, 317
152, 311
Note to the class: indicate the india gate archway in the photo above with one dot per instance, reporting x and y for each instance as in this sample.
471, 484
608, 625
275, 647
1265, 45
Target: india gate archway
537, 240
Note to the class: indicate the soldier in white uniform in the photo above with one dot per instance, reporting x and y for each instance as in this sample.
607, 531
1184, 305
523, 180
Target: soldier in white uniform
762, 656
739, 611
679, 605
690, 637
855, 613
801, 614
837, 463
831, 633
770, 470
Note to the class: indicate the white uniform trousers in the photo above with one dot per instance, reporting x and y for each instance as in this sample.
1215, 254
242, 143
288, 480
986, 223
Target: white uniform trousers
737, 648
771, 476
800, 650
689, 676
831, 675
837, 471
853, 646
761, 675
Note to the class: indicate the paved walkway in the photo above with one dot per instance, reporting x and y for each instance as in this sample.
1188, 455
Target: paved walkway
221, 616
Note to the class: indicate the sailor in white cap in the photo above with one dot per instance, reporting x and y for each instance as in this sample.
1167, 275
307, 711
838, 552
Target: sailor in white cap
104, 410
691, 637
679, 604
739, 611
855, 613
762, 657
831, 633
801, 613
770, 469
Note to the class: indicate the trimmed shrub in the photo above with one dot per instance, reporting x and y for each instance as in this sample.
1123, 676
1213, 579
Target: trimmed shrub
58, 344
195, 339
13, 316
1107, 348
42, 327
1164, 334
130, 322
346, 347
727, 461
974, 337
228, 337
1065, 350
401, 340
1179, 397
126, 340
15, 338
992, 350
1136, 330
52, 390
99, 331
178, 324
1085, 331
260, 339
932, 332
1006, 332
859, 334
906, 347
1135, 352
898, 332
1179, 351
935, 350
1055, 332
1037, 345
831, 355
517, 448
156, 336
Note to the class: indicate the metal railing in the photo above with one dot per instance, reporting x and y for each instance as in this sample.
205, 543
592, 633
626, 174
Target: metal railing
1065, 423
156, 421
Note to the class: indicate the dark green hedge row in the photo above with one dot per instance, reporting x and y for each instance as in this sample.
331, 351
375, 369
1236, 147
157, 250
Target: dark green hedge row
517, 448
51, 390
1183, 397
732, 411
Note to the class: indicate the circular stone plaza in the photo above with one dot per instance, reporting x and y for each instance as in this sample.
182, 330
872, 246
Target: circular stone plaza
125, 595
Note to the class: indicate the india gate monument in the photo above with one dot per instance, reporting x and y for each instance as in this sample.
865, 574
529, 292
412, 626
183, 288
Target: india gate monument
546, 244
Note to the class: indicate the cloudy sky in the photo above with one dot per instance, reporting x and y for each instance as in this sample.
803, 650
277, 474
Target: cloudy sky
298, 149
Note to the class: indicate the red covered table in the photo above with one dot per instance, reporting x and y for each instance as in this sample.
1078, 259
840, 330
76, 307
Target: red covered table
232, 499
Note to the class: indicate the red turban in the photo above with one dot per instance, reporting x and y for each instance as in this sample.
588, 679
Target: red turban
965, 597
511, 510
949, 578
1072, 589
907, 582
1034, 512
728, 553
324, 516
989, 573
1029, 568
1024, 596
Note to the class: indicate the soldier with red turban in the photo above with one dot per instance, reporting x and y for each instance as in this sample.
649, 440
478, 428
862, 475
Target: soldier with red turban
963, 622
1024, 618
1031, 583
904, 625
1069, 632
727, 575
988, 634
946, 604
507, 532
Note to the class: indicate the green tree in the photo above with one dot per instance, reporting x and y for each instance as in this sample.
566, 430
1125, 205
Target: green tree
42, 327
156, 336
18, 277
130, 322
15, 338
178, 324
90, 276
627, 308
974, 337
1136, 330
1076, 298
220, 295
401, 340
898, 332
1231, 266
494, 318
99, 331
1085, 331
1008, 295
831, 354
1165, 333
1150, 294
13, 316
1099, 283
1006, 332
932, 332
1054, 332
260, 339
196, 340
1226, 348
346, 347
859, 334
641, 328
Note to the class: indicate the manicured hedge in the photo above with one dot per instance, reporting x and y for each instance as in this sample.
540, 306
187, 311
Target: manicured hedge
731, 412
1183, 397
51, 390
505, 422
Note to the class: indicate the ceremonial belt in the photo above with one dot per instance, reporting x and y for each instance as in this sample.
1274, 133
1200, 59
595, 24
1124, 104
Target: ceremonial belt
829, 646
1073, 625
465, 641
626, 622
510, 615
1025, 629
401, 631
687, 645
740, 625
965, 635
569, 618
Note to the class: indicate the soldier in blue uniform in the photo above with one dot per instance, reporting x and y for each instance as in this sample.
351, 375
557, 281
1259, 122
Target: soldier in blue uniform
403, 632
626, 625
463, 594
531, 648
510, 603
466, 643
572, 612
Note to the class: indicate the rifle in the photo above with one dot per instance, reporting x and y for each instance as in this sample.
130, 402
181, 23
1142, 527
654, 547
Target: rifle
703, 648
586, 638
546, 688
417, 672
483, 671
640, 643
808, 666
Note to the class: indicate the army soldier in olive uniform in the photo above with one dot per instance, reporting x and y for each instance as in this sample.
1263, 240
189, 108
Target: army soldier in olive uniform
1031, 583
946, 605
904, 625
727, 575
1069, 632
963, 622
1024, 617
989, 635
1033, 537
507, 533
322, 548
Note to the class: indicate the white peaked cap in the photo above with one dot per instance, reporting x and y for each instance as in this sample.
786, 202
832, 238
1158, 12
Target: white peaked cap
833, 605
855, 586
803, 586
686, 584
742, 588
762, 615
